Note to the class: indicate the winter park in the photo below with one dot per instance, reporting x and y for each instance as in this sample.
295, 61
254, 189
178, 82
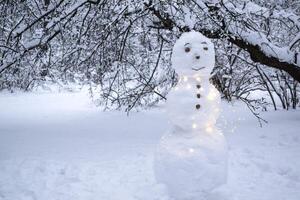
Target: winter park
150, 100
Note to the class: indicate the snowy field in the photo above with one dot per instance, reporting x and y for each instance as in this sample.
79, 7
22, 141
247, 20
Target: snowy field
58, 146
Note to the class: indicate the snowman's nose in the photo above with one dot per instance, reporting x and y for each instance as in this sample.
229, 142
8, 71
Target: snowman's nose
197, 57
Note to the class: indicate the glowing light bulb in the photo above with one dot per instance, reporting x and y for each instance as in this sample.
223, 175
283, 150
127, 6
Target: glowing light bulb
194, 125
185, 79
209, 128
188, 86
211, 96
191, 150
197, 77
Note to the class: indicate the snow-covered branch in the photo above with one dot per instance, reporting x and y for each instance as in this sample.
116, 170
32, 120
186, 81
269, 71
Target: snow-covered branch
269, 35
113, 46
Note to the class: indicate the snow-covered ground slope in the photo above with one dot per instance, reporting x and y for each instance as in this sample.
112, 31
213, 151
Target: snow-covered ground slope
60, 147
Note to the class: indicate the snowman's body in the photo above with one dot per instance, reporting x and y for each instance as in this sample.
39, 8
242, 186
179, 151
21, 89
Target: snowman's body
193, 104
191, 158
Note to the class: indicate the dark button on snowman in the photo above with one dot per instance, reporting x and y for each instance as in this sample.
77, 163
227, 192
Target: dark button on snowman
191, 158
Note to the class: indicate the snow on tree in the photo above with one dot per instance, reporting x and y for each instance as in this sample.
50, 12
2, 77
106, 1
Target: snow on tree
122, 49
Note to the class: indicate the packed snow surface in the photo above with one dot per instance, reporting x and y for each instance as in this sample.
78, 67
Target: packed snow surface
58, 146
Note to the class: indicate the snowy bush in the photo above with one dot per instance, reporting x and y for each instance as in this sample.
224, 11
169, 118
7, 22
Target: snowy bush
122, 49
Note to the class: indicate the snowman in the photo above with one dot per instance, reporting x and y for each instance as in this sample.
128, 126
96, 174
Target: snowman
191, 158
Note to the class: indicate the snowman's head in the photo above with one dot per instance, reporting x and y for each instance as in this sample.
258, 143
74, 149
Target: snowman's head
193, 53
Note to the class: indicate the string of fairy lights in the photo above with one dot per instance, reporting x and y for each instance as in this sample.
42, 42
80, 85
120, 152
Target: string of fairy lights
184, 82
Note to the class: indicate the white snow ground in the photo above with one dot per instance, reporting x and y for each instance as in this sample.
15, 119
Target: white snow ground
58, 146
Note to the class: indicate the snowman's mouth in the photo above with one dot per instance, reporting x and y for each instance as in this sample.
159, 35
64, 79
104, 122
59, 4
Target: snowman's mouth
197, 69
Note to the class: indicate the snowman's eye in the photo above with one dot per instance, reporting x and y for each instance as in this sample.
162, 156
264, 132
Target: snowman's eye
205, 48
187, 49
